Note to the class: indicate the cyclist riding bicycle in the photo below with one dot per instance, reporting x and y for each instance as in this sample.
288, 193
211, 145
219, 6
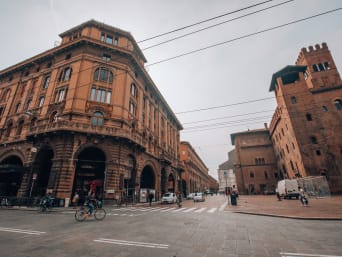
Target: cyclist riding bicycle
90, 203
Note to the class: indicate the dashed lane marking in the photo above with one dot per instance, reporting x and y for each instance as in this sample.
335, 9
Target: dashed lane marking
212, 210
201, 210
131, 243
22, 231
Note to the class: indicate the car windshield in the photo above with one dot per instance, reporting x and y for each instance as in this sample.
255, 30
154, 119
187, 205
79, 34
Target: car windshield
167, 195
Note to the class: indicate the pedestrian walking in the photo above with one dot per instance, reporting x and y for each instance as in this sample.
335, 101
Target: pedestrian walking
150, 198
233, 196
75, 199
302, 197
278, 195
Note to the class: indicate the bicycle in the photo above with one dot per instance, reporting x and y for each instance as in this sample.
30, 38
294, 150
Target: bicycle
84, 212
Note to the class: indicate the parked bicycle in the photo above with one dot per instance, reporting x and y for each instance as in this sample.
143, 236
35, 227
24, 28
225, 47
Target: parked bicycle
84, 212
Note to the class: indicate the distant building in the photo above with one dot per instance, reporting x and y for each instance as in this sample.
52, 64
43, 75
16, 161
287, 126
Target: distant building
195, 176
226, 173
255, 165
305, 129
306, 126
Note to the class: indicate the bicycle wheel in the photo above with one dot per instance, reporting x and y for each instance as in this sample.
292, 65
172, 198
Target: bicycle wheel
100, 214
80, 215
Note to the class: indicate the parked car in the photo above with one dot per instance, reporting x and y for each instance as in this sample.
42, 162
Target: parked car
199, 197
190, 196
169, 198
288, 188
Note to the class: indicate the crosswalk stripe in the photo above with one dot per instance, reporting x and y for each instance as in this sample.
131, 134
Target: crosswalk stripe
169, 209
180, 209
200, 210
189, 210
223, 206
212, 210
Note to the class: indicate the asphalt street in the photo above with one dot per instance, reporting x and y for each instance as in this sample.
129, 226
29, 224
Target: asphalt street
201, 229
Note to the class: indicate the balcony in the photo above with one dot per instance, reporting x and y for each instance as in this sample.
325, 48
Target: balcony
85, 128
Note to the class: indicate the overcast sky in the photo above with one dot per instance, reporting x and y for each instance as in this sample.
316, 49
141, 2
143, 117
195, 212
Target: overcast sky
235, 72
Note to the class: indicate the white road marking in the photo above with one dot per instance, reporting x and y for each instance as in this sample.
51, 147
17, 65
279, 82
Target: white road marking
212, 210
169, 209
131, 243
180, 209
200, 210
306, 255
223, 206
189, 210
22, 231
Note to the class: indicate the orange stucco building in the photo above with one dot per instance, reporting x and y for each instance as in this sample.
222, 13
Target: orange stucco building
86, 115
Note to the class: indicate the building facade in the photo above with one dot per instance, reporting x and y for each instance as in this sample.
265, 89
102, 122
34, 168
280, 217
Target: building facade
306, 126
195, 177
226, 174
86, 116
255, 164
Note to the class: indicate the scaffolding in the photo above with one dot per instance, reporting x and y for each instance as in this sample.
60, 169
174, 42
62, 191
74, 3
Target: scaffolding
315, 186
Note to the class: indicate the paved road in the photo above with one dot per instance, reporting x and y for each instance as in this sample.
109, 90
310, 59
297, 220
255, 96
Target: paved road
163, 232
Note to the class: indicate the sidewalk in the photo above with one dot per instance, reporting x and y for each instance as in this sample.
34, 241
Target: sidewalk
329, 208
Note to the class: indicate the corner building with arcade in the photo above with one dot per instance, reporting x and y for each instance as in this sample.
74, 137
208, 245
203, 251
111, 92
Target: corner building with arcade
85, 115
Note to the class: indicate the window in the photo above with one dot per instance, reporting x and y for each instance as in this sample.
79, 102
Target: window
251, 174
60, 95
134, 92
106, 57
276, 175
46, 82
2, 108
41, 101
104, 75
324, 108
9, 129
308, 117
132, 108
327, 66
338, 104
287, 149
17, 108
23, 89
318, 152
293, 99
266, 174
27, 105
65, 75
291, 164
109, 39
116, 41
97, 119
5, 95
100, 95
313, 140
20, 127
54, 117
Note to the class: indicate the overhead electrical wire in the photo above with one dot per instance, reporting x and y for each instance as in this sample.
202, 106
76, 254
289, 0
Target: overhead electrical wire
215, 25
200, 22
242, 37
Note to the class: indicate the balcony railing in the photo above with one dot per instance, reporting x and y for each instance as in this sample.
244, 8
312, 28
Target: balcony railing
65, 125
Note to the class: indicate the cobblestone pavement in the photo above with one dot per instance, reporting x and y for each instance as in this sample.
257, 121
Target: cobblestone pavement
268, 205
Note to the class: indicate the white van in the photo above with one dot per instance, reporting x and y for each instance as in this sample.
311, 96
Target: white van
288, 188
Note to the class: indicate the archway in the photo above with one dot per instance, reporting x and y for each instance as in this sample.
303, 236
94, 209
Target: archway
11, 174
163, 182
41, 168
90, 173
171, 183
184, 186
147, 183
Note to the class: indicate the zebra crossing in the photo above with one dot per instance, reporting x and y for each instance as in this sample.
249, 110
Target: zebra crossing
137, 211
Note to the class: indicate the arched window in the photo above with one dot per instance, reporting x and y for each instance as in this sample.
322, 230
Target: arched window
324, 108
5, 95
338, 104
33, 123
104, 75
20, 127
97, 119
251, 174
53, 117
308, 117
65, 75
134, 91
9, 129
293, 99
